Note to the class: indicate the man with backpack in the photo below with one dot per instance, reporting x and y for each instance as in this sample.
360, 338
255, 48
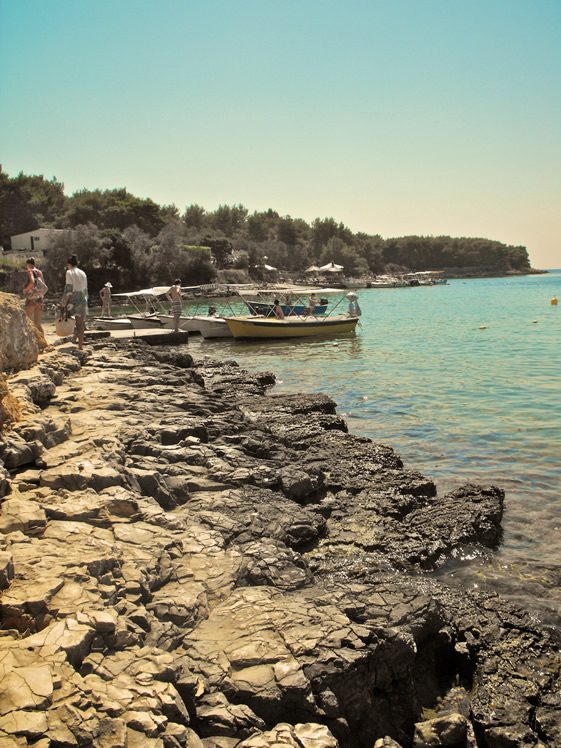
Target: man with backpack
33, 292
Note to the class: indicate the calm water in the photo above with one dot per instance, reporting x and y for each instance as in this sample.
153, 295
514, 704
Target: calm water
459, 403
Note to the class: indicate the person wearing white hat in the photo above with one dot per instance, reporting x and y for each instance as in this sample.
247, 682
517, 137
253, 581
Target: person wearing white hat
354, 310
105, 296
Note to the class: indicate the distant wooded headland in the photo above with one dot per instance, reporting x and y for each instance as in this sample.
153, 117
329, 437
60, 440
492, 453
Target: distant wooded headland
118, 235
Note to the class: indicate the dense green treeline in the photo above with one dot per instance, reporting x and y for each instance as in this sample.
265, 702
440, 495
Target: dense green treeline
116, 234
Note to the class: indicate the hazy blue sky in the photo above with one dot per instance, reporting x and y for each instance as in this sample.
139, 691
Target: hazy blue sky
395, 117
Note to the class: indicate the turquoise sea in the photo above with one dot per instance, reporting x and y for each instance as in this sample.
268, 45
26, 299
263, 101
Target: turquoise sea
464, 381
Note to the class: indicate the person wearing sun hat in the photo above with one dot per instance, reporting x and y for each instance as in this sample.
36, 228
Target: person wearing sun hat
354, 310
105, 296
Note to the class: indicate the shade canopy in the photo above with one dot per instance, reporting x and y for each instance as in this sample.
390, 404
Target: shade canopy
312, 269
147, 292
331, 267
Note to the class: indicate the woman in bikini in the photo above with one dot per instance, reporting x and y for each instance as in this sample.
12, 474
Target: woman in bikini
33, 298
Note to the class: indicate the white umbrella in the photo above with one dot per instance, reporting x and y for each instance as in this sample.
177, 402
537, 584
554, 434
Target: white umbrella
269, 267
331, 267
312, 269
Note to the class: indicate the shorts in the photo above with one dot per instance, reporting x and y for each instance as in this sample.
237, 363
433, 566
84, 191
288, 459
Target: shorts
77, 304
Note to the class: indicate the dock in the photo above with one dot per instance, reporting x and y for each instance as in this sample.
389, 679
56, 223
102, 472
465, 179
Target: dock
150, 335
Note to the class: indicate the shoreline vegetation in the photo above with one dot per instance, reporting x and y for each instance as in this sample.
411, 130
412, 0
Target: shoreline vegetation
138, 243
188, 558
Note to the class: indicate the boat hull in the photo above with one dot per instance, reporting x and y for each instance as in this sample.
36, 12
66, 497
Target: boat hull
189, 324
214, 327
293, 327
106, 323
140, 322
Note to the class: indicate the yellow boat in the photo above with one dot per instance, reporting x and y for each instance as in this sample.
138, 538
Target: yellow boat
290, 327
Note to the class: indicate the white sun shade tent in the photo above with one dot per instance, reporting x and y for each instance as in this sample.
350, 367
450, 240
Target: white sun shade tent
331, 267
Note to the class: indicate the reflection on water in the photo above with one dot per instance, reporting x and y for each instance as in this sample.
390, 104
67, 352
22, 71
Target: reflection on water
312, 350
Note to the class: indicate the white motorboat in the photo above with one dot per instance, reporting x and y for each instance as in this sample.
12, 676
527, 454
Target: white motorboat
387, 281
112, 323
189, 324
213, 327
147, 304
201, 301
144, 321
351, 283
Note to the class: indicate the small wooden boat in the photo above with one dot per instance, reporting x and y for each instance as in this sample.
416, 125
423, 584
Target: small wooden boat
290, 327
307, 324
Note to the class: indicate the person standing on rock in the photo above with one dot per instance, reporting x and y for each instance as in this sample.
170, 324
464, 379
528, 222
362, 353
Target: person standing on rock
33, 292
75, 298
105, 296
174, 295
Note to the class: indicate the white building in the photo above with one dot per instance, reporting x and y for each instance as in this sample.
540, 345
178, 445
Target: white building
33, 243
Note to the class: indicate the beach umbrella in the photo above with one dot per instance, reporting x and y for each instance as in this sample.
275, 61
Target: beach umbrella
312, 269
269, 267
331, 267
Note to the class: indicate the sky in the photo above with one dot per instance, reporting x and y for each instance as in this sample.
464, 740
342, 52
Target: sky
395, 117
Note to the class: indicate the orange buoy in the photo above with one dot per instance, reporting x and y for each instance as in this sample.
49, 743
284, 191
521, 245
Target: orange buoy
554, 301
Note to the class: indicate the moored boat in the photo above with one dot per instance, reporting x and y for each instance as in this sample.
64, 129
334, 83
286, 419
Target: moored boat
387, 281
289, 310
290, 327
144, 321
213, 327
275, 324
189, 323
112, 323
150, 299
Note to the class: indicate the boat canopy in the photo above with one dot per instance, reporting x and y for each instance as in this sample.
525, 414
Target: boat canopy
427, 272
292, 291
157, 291
146, 292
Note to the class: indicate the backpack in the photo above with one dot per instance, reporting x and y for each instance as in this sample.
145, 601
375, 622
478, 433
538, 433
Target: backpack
40, 286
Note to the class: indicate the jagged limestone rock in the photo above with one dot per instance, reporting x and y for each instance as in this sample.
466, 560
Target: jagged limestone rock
194, 563
20, 341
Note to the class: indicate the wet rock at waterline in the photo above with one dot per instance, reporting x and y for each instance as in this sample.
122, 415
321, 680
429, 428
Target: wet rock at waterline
189, 560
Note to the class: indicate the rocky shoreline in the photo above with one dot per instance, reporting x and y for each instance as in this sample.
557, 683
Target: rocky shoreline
189, 559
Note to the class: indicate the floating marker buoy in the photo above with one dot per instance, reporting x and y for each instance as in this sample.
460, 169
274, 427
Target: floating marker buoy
554, 301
